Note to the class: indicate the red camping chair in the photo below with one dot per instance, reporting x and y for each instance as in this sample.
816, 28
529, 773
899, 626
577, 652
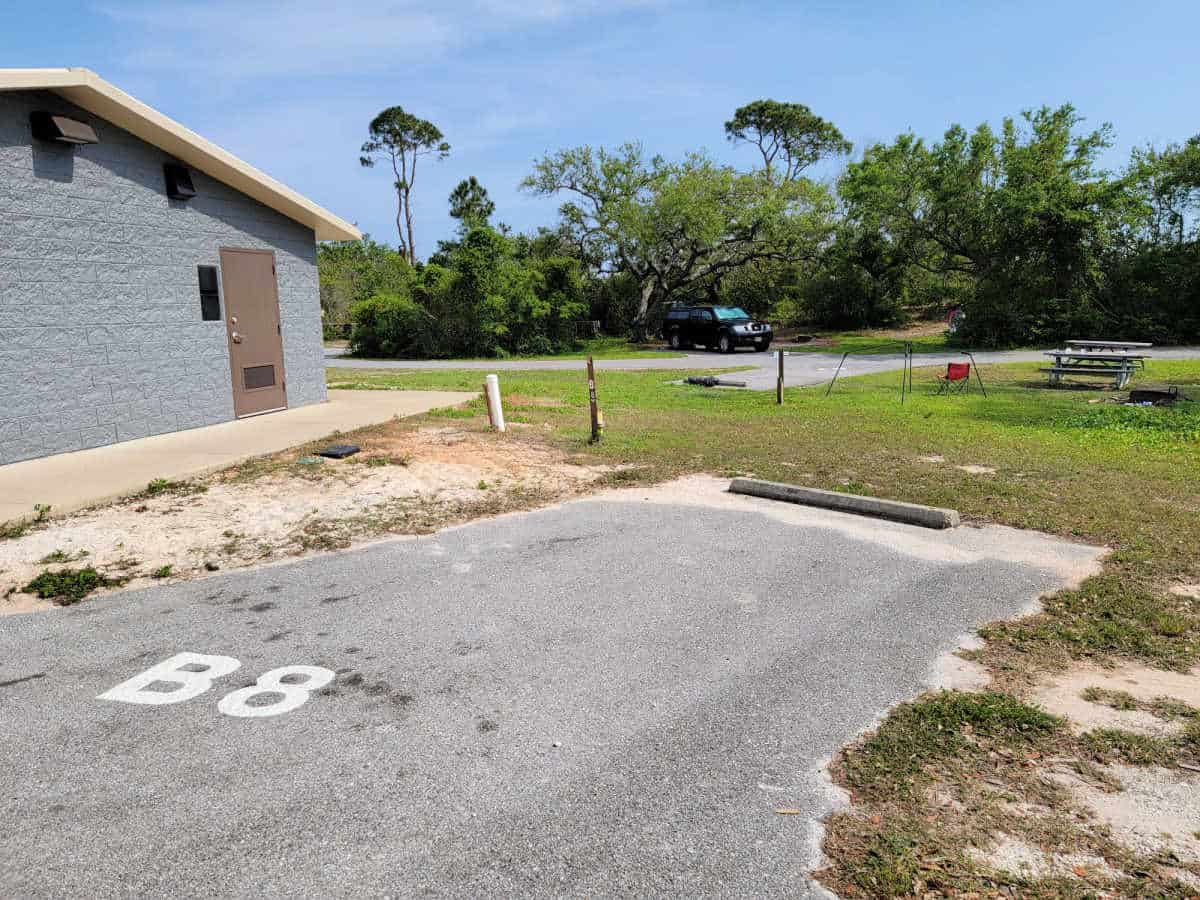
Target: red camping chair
956, 380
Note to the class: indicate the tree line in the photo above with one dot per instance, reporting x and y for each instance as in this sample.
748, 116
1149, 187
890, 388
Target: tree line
1017, 231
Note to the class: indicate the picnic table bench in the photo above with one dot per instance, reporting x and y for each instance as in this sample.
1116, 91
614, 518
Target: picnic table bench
1097, 359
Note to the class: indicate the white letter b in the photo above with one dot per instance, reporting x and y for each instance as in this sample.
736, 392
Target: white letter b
188, 683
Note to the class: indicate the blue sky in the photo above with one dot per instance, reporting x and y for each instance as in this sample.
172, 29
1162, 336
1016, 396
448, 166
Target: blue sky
290, 86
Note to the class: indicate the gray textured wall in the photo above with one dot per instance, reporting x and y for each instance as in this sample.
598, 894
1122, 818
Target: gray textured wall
101, 338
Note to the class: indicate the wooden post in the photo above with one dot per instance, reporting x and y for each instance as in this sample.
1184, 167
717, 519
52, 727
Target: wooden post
595, 409
779, 380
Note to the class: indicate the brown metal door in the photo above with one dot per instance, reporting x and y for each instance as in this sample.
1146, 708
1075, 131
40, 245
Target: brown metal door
252, 324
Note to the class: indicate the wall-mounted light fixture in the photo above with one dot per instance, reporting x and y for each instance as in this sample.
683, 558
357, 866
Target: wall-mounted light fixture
62, 129
179, 182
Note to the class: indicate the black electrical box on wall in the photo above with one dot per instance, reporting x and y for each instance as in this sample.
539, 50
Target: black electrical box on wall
179, 182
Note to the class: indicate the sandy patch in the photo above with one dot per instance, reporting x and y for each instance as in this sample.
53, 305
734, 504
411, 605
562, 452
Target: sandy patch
935, 458
1062, 695
244, 519
1186, 590
953, 673
1158, 810
1013, 855
976, 470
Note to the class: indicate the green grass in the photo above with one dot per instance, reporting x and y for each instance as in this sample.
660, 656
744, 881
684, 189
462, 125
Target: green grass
856, 342
1115, 699
1112, 745
1167, 708
599, 348
1111, 615
948, 724
1143, 426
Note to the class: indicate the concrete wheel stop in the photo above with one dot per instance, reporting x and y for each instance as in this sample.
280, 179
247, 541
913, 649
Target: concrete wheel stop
896, 511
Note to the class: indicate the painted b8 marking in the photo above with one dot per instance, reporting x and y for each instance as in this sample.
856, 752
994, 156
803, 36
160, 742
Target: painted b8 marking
194, 673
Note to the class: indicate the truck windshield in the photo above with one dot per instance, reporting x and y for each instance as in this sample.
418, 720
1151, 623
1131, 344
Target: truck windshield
730, 312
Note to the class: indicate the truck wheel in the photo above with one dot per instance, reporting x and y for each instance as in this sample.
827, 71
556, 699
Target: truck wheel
724, 344
674, 341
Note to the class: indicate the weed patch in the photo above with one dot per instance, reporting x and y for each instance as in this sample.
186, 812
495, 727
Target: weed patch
68, 586
1174, 428
1167, 708
62, 556
948, 774
18, 529
377, 462
1112, 699
1111, 745
411, 515
1106, 618
950, 724
165, 486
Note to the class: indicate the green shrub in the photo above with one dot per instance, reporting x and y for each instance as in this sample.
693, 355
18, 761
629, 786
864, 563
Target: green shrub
389, 325
484, 301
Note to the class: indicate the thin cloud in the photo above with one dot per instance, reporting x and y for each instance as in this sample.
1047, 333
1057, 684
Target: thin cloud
311, 38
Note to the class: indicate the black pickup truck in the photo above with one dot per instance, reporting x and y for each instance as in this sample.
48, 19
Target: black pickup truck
722, 328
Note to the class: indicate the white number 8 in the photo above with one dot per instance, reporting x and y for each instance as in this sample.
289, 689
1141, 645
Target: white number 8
291, 694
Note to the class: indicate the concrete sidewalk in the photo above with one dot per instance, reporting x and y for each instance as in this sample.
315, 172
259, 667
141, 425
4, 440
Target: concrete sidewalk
71, 481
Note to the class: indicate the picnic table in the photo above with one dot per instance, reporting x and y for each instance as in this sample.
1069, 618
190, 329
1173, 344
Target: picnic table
1097, 359
1113, 346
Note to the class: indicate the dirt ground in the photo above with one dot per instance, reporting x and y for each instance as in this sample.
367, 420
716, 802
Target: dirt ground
406, 480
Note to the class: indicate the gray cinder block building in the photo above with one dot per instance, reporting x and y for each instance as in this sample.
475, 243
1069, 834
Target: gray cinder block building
149, 281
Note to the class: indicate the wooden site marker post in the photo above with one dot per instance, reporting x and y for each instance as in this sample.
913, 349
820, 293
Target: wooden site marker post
779, 380
595, 408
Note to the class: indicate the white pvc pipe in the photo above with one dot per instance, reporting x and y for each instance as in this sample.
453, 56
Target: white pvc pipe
495, 411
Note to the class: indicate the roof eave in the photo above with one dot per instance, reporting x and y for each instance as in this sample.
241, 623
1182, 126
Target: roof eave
89, 91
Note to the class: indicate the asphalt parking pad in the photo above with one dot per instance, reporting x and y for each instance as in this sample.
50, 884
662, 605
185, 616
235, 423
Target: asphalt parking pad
607, 697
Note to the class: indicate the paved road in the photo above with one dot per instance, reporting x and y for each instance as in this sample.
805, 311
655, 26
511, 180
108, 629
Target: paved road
800, 368
606, 698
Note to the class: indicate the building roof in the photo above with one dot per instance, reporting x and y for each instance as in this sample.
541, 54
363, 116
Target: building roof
89, 91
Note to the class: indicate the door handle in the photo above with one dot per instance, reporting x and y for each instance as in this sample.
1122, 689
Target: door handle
236, 338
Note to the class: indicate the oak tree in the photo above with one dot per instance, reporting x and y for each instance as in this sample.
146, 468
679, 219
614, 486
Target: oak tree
672, 225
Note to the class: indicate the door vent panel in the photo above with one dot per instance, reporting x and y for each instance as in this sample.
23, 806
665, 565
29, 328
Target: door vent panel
258, 377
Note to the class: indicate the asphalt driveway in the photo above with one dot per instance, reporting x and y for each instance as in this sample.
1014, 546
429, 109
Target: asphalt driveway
608, 698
